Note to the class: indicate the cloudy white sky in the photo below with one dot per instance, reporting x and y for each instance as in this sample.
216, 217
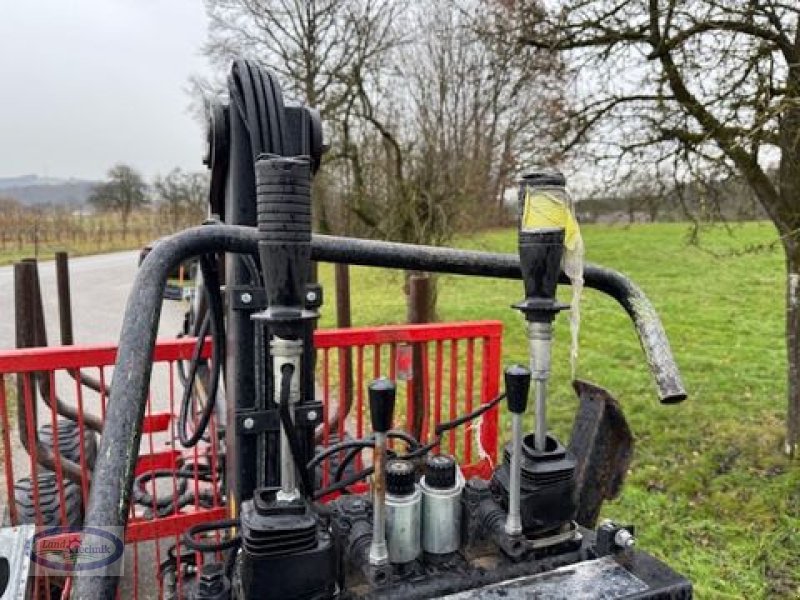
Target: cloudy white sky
87, 83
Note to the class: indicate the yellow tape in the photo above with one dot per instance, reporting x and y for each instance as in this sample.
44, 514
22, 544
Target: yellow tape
546, 210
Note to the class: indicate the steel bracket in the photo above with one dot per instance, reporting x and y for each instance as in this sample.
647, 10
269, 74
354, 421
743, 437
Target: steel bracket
247, 297
254, 422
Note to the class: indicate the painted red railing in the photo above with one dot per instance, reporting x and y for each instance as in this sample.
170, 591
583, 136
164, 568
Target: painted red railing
460, 368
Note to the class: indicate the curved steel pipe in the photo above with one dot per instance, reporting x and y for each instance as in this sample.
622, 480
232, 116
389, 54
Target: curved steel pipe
110, 496
465, 262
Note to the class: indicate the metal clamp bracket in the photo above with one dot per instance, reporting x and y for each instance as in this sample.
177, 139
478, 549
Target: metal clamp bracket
308, 414
252, 298
248, 297
254, 422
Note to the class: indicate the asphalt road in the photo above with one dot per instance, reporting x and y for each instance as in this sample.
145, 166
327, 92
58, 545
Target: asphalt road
100, 287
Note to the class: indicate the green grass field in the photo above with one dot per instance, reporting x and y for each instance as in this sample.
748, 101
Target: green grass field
709, 489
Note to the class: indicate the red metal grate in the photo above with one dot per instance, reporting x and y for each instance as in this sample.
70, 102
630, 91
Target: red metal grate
460, 368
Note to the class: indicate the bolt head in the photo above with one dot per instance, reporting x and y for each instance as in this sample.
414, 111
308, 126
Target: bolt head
624, 539
247, 297
311, 415
249, 423
311, 296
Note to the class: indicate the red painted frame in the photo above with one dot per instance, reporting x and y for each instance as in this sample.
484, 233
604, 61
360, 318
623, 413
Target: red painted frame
457, 337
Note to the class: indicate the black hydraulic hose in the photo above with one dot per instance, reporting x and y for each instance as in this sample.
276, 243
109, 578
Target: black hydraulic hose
109, 500
192, 322
356, 446
349, 444
252, 269
446, 426
342, 466
350, 456
291, 430
190, 540
419, 451
186, 440
216, 311
344, 483
360, 444
214, 321
148, 500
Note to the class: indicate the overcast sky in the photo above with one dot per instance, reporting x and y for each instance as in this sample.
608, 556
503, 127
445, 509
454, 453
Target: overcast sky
88, 83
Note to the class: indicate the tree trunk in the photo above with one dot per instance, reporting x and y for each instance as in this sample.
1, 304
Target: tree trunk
793, 347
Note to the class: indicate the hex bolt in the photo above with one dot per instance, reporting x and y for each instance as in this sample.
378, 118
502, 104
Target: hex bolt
246, 297
624, 539
249, 423
311, 296
311, 416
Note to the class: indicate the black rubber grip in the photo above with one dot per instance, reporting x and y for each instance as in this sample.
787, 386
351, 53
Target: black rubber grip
518, 384
291, 196
286, 186
283, 209
382, 393
291, 224
281, 183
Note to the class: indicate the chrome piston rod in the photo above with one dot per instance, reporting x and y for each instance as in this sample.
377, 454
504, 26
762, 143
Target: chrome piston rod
540, 338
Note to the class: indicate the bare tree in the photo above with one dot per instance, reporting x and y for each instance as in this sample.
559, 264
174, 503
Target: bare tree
182, 196
698, 88
123, 192
456, 116
425, 111
322, 50
311, 44
428, 116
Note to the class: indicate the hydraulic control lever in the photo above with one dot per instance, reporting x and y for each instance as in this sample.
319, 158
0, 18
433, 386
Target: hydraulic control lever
382, 394
283, 186
535, 484
541, 248
518, 383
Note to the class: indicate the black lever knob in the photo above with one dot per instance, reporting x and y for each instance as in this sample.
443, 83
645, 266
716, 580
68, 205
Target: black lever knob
382, 393
518, 384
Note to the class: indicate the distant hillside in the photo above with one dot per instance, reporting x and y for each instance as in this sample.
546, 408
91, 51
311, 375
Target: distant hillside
36, 191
